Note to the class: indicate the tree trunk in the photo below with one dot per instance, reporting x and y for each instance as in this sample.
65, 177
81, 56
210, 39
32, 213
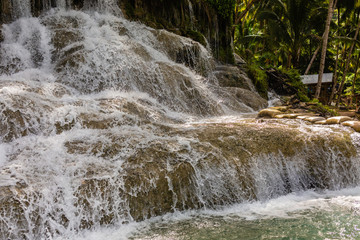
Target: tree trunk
347, 65
332, 5
334, 79
314, 56
312, 59
354, 81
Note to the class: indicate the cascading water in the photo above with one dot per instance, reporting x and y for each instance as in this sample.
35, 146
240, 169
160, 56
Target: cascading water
21, 8
103, 124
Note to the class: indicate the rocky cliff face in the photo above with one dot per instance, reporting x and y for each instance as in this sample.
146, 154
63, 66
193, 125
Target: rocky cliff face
196, 19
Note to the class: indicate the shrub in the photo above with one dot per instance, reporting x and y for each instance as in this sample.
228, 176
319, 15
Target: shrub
259, 78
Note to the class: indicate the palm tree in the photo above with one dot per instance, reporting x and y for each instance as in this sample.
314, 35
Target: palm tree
287, 23
332, 5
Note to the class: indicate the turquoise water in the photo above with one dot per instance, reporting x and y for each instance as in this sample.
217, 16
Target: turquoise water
336, 224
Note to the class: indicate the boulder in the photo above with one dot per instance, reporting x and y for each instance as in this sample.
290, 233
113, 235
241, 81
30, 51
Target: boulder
289, 115
243, 96
269, 113
280, 108
314, 119
338, 120
354, 124
232, 76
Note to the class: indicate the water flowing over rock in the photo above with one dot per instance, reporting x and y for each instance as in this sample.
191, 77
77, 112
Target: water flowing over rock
104, 121
192, 18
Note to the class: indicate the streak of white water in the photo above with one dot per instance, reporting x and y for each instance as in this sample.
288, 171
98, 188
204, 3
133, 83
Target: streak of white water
103, 6
26, 45
21, 8
3, 155
192, 16
61, 3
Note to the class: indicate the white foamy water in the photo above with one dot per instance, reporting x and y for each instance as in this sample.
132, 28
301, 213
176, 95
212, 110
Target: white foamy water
21, 8
105, 122
3, 153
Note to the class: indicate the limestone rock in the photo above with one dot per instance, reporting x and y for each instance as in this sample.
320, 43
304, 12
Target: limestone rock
268, 112
280, 108
290, 116
249, 98
338, 120
314, 119
323, 122
230, 76
354, 124
303, 116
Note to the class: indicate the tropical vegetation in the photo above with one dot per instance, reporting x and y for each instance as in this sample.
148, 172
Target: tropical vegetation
304, 36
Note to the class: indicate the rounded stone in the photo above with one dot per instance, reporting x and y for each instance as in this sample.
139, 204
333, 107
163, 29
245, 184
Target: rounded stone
314, 119
338, 120
353, 124
268, 112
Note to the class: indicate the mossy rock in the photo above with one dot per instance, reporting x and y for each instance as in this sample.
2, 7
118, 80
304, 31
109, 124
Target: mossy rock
196, 36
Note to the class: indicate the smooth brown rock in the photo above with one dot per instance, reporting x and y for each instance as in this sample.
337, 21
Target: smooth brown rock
290, 115
280, 108
323, 122
230, 76
306, 115
338, 120
268, 112
314, 119
354, 124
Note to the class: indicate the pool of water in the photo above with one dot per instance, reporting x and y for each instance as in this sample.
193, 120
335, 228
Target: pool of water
305, 215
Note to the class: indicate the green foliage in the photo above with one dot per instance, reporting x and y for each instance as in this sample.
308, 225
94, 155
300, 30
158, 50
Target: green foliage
275, 33
303, 97
196, 36
324, 110
294, 80
224, 7
259, 78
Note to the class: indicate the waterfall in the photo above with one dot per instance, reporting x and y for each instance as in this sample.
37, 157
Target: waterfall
191, 11
21, 8
104, 122
26, 45
103, 6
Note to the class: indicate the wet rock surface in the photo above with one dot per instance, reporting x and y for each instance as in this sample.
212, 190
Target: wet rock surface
191, 166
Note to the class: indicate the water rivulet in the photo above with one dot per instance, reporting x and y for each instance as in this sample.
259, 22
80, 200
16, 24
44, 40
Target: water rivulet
105, 122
